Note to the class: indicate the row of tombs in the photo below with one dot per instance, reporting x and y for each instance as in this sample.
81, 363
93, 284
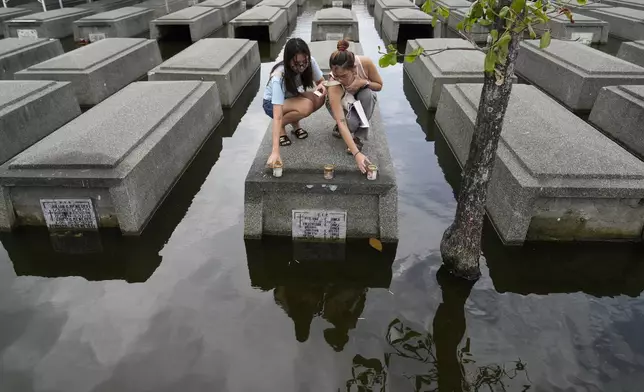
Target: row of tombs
557, 177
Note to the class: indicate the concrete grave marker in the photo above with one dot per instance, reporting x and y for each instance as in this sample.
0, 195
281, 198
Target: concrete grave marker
330, 23
17, 54
121, 23
50, 24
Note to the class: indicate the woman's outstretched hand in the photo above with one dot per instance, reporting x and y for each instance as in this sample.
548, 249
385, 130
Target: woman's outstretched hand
320, 87
362, 161
273, 158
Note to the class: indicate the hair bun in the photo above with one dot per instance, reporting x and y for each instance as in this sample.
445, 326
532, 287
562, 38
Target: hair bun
343, 45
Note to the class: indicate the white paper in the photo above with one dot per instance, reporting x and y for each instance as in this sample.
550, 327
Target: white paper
364, 121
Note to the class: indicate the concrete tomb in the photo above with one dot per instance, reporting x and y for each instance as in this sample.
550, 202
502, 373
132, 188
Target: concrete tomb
160, 8
100, 69
336, 3
230, 8
334, 24
384, 5
195, 22
619, 112
366, 208
112, 166
290, 6
479, 33
11, 13
555, 177
625, 23
108, 5
321, 51
31, 110
572, 72
50, 24
634, 4
229, 62
251, 3
260, 23
585, 29
17, 54
406, 23
122, 23
633, 52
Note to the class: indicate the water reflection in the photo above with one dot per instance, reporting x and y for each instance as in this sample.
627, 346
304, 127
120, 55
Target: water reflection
234, 114
424, 116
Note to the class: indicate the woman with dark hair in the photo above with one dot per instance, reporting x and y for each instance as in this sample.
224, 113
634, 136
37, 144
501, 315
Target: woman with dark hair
286, 100
354, 79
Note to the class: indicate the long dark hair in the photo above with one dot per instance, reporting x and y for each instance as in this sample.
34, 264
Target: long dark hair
293, 47
342, 57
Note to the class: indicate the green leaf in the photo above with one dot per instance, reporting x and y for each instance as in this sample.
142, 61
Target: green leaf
538, 4
504, 11
582, 2
386, 60
545, 40
434, 20
485, 22
490, 61
444, 12
495, 35
533, 35
518, 6
459, 26
504, 40
541, 15
427, 7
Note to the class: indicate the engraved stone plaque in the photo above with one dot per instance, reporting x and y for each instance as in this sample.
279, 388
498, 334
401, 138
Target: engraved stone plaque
319, 225
584, 38
27, 33
334, 36
75, 214
337, 3
93, 37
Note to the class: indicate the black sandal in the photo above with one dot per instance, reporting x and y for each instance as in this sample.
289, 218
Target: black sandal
284, 141
300, 133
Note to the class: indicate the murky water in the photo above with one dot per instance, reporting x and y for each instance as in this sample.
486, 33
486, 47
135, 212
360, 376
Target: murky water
189, 306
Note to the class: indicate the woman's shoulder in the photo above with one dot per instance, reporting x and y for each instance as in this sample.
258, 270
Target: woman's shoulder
278, 72
365, 60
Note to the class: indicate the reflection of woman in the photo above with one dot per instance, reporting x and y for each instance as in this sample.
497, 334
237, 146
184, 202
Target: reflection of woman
352, 77
286, 100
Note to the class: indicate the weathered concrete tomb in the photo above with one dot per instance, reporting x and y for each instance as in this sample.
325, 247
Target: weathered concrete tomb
406, 23
252, 3
260, 23
572, 72
108, 5
335, 23
321, 51
336, 3
100, 69
555, 177
634, 4
619, 113
10, 13
478, 34
460, 64
290, 6
585, 29
160, 8
625, 23
384, 5
50, 24
230, 8
633, 52
31, 110
370, 206
195, 22
122, 23
17, 54
450, 5
111, 166
229, 62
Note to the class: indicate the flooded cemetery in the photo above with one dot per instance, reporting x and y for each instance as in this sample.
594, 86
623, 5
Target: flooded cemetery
145, 246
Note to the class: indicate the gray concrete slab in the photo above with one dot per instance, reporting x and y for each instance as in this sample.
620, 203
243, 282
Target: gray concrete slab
336, 3
572, 72
633, 52
50, 24
290, 6
229, 62
201, 21
100, 69
321, 51
585, 29
124, 162
371, 206
230, 8
122, 23
619, 113
478, 34
633, 4
625, 23
31, 110
108, 5
334, 24
272, 23
17, 54
410, 22
556, 178
383, 5
160, 8
11, 13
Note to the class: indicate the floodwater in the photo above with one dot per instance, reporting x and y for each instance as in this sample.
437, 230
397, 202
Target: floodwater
189, 306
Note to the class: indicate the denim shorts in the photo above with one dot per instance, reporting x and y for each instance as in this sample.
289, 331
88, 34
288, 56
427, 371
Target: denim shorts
268, 108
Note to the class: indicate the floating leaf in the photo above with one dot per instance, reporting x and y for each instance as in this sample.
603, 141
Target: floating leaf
545, 40
490, 61
376, 244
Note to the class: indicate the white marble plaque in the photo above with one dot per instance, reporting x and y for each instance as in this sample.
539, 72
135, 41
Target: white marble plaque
319, 225
27, 33
334, 36
584, 38
69, 214
93, 37
337, 3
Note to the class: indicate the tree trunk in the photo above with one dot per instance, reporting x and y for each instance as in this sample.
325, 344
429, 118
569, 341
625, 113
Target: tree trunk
461, 243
